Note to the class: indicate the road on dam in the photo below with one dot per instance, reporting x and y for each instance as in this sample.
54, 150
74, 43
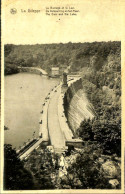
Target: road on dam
56, 135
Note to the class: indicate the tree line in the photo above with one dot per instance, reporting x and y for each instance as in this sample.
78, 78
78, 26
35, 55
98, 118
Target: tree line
103, 89
74, 55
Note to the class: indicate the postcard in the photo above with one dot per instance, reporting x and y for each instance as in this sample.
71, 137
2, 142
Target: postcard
62, 96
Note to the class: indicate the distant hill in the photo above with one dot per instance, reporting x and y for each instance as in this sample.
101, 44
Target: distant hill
75, 55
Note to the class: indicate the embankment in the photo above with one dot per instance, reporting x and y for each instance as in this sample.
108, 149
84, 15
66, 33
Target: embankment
76, 105
32, 70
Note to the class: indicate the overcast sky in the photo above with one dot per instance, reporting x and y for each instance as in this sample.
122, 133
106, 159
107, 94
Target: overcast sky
96, 20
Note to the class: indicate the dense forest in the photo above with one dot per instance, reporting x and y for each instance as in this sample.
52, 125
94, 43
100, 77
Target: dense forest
103, 88
76, 56
84, 169
97, 166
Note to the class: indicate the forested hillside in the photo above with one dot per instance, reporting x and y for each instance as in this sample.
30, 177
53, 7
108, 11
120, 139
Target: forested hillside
74, 55
103, 89
101, 135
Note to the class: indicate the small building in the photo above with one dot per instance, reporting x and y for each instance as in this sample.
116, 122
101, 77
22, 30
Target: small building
55, 71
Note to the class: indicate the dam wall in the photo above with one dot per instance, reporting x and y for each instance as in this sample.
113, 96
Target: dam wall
76, 105
72, 89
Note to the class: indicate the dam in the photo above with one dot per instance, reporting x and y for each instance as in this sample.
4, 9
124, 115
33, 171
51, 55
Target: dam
77, 106
54, 125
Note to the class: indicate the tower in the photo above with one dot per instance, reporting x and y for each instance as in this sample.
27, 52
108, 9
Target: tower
64, 82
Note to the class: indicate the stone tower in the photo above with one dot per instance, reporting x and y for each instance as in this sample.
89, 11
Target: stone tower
64, 82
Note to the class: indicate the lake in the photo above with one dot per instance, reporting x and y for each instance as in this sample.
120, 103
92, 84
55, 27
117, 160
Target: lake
24, 96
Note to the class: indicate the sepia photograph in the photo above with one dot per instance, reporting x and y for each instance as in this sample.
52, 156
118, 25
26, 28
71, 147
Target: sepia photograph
62, 125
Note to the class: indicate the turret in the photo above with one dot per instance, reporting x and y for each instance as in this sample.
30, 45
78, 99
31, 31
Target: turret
64, 82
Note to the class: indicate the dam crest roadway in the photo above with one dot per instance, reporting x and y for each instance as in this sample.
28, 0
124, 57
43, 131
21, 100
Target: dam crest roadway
54, 130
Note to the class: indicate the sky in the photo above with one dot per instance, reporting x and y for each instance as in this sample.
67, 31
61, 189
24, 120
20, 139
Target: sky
96, 20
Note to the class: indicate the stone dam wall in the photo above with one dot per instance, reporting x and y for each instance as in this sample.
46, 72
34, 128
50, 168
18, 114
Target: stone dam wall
76, 105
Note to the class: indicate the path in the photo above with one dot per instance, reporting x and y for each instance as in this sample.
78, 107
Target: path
30, 69
56, 135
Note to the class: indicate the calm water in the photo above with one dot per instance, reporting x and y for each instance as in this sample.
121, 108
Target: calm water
24, 95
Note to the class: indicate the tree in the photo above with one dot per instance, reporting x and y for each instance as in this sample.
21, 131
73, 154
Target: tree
43, 166
8, 49
16, 177
10, 69
108, 135
84, 172
85, 130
